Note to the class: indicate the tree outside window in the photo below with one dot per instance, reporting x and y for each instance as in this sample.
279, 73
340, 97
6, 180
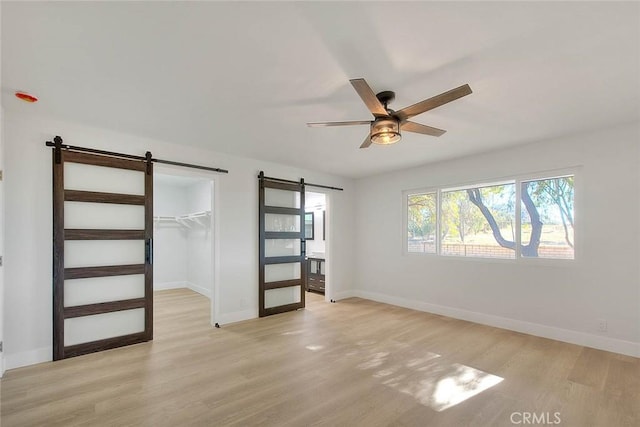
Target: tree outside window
421, 223
470, 229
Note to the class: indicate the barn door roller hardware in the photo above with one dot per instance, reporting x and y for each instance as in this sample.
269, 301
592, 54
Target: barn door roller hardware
58, 146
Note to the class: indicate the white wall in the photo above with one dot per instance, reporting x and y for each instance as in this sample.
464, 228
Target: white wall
561, 301
2, 215
558, 300
28, 217
2, 208
199, 256
170, 238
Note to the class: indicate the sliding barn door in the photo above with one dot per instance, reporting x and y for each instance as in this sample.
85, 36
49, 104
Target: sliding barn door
282, 272
102, 252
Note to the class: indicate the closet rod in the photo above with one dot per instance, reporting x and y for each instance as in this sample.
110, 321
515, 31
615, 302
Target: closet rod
268, 178
58, 139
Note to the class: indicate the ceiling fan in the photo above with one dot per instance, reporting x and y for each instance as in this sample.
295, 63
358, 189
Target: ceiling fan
387, 124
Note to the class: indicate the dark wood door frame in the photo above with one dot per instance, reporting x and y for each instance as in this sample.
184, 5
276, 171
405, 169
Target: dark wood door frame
266, 182
60, 234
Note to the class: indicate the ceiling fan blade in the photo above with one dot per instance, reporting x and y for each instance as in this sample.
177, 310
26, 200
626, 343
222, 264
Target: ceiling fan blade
423, 129
369, 97
431, 103
327, 124
367, 142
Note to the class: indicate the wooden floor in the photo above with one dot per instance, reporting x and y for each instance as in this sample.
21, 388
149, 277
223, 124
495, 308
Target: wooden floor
353, 363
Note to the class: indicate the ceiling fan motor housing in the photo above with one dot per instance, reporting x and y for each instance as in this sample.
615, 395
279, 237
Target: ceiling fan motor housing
386, 97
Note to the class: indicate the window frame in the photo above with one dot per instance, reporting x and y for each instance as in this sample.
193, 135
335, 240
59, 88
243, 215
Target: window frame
517, 180
405, 220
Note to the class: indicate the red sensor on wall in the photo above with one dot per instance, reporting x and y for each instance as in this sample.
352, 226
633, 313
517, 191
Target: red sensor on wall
26, 97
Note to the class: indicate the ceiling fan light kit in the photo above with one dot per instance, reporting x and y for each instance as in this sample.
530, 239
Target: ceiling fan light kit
385, 128
385, 131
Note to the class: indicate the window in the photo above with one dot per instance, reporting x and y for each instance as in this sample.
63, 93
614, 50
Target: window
479, 221
421, 224
483, 220
546, 224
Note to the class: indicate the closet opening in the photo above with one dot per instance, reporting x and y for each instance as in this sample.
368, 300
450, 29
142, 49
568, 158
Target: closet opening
183, 246
317, 245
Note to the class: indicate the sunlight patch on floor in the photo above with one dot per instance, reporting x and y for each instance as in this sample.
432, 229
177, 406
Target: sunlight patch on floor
431, 380
314, 347
465, 383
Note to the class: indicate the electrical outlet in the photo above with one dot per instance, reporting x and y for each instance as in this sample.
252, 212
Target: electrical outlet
602, 325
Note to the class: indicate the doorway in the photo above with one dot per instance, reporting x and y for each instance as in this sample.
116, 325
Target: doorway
184, 240
317, 239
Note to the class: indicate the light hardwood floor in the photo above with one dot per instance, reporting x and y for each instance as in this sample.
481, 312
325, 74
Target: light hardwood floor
353, 363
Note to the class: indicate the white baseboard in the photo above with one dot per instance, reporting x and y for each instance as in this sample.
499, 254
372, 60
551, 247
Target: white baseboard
31, 357
199, 289
343, 295
163, 286
573, 337
236, 316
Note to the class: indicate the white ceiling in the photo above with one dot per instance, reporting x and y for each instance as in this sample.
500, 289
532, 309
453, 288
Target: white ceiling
244, 78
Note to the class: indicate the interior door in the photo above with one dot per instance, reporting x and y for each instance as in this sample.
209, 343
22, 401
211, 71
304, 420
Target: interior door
282, 274
102, 252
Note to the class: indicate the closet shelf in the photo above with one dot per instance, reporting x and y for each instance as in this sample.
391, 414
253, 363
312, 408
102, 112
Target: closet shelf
188, 220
